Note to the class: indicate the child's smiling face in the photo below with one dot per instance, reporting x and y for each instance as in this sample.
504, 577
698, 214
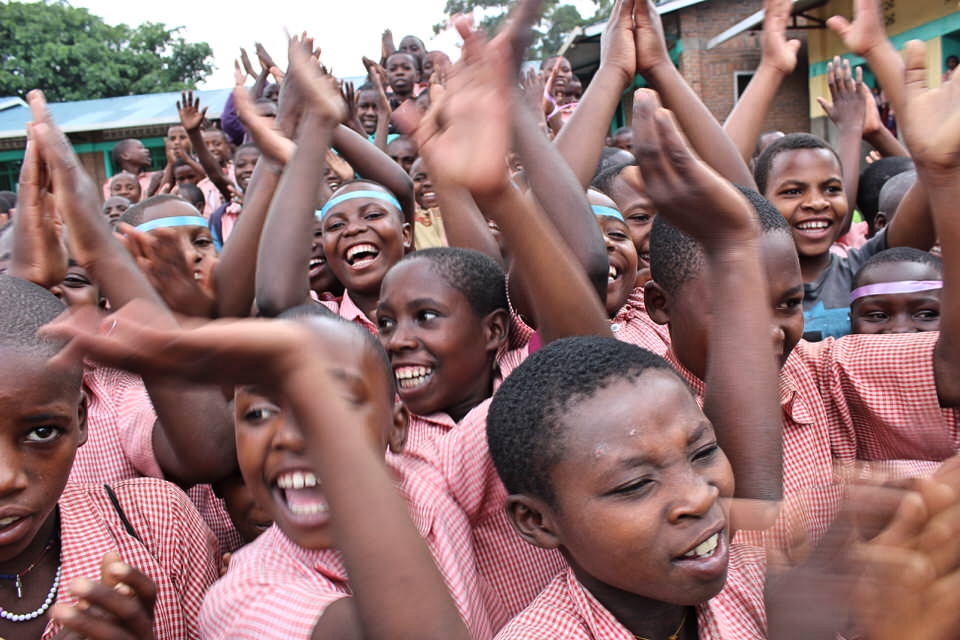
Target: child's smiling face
628, 190
638, 492
196, 241
362, 238
897, 312
806, 186
440, 347
125, 185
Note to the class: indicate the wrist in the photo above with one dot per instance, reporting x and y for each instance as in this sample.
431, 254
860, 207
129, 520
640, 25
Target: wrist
612, 76
660, 72
768, 68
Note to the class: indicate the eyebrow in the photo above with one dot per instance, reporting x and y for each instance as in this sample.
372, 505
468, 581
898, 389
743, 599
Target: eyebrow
47, 416
794, 291
698, 432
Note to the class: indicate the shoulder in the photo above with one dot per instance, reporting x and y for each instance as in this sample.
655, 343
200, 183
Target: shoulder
551, 615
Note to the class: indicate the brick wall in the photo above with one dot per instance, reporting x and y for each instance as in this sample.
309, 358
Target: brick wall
711, 72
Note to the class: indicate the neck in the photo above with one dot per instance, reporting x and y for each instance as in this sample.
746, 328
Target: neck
132, 168
643, 617
35, 549
812, 266
483, 391
366, 302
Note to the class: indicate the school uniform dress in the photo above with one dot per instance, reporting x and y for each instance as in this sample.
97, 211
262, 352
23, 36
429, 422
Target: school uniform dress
632, 324
347, 309
567, 610
861, 398
166, 540
119, 446
276, 589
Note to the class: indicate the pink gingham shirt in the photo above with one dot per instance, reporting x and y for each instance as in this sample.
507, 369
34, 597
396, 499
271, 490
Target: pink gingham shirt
176, 549
348, 310
565, 609
632, 324
276, 589
861, 397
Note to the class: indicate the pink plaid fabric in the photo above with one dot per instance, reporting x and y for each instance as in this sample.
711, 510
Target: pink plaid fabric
176, 549
275, 589
632, 324
567, 610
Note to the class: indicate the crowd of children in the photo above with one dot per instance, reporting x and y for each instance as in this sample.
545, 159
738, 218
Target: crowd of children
440, 356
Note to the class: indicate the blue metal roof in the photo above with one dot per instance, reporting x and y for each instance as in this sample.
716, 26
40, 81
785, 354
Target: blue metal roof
108, 113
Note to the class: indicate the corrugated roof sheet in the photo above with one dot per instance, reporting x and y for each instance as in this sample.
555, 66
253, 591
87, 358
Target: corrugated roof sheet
108, 113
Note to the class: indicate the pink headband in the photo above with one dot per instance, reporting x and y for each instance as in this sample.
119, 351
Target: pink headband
903, 286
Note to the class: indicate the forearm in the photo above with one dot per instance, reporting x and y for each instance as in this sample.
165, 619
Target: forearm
580, 141
887, 64
943, 193
705, 134
376, 165
193, 437
745, 123
562, 197
209, 164
372, 527
563, 300
848, 148
282, 279
913, 224
741, 396
383, 128
885, 143
463, 223
235, 272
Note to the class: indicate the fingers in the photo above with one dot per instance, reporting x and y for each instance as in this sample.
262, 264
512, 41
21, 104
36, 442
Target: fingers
915, 71
109, 612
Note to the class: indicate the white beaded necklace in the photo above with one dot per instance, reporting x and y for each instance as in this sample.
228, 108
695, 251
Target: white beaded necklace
39, 611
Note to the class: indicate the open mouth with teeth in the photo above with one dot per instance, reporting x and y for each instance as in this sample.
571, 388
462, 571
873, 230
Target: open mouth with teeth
299, 492
361, 255
316, 264
412, 377
613, 273
703, 550
815, 228
428, 199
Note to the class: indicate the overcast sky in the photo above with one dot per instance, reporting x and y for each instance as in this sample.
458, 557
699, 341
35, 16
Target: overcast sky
344, 29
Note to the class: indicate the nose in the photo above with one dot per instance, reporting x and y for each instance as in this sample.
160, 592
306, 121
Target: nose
816, 200
355, 225
779, 338
401, 337
287, 435
900, 323
695, 497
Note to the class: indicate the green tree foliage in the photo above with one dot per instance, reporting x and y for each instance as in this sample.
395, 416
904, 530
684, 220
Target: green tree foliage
557, 21
74, 55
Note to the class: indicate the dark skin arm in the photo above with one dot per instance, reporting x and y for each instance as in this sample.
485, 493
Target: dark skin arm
342, 426
778, 60
374, 164
581, 139
191, 117
931, 128
847, 112
193, 438
746, 416
470, 138
705, 134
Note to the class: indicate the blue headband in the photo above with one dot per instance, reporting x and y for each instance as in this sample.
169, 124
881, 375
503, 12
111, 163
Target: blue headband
178, 221
607, 211
376, 195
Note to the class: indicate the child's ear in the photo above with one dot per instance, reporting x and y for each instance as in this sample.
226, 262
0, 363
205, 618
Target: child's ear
532, 519
657, 302
495, 327
879, 221
407, 233
398, 430
82, 418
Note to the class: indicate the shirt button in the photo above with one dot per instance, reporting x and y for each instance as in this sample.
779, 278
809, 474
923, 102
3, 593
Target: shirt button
615, 327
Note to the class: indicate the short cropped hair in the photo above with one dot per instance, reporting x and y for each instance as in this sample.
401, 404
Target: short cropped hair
675, 257
116, 153
872, 179
24, 308
135, 215
606, 176
477, 276
899, 254
192, 194
790, 142
526, 429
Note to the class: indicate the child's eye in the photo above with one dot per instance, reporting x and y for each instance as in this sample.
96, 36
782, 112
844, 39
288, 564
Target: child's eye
790, 305
374, 214
617, 235
876, 316
44, 434
707, 452
260, 415
927, 314
642, 218
333, 226
427, 315
385, 324
633, 487
75, 282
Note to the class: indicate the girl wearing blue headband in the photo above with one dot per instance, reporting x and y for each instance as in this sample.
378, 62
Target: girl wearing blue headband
621, 252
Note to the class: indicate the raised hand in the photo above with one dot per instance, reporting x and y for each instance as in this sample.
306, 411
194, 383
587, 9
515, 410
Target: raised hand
39, 254
676, 179
191, 116
930, 119
247, 65
865, 33
618, 45
319, 89
847, 108
266, 61
651, 44
778, 52
465, 136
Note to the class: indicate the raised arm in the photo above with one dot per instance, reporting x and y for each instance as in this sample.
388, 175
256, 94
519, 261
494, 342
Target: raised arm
697, 123
376, 165
193, 438
931, 127
581, 139
191, 117
847, 112
745, 413
777, 61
